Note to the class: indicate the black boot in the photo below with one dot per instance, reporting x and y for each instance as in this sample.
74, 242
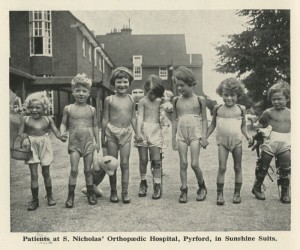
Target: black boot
220, 196
143, 188
257, 188
50, 199
34, 203
202, 191
183, 195
237, 193
71, 196
285, 191
90, 195
157, 191
125, 196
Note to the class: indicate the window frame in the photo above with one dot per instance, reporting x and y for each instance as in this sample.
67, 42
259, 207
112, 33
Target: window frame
40, 33
163, 73
137, 75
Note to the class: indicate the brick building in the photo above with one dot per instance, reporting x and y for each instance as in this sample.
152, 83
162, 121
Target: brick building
151, 54
47, 49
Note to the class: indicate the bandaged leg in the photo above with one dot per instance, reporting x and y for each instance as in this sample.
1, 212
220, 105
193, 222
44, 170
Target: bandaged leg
283, 182
260, 173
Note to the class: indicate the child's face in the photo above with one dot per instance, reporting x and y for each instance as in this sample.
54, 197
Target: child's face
36, 109
121, 85
278, 100
229, 98
81, 94
150, 94
182, 87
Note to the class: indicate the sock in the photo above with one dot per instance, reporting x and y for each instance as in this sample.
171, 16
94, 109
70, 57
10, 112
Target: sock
89, 189
124, 187
35, 193
202, 185
113, 183
143, 177
49, 190
237, 187
72, 189
220, 187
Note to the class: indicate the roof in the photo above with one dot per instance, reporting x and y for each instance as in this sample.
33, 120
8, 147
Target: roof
157, 50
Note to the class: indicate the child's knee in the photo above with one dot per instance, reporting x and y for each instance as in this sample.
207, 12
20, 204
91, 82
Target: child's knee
74, 173
34, 176
237, 168
143, 162
156, 164
222, 169
88, 173
195, 165
124, 165
183, 165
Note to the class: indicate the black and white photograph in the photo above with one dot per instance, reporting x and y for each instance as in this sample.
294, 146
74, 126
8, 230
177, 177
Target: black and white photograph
140, 125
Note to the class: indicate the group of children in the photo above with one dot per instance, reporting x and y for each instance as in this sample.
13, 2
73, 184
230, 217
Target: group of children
189, 129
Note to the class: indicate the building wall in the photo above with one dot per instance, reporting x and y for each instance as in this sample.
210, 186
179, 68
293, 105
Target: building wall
19, 40
83, 63
64, 44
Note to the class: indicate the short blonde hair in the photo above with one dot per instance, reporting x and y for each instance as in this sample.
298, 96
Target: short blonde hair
280, 86
40, 97
81, 80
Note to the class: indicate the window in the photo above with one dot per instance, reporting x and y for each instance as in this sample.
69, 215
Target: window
137, 67
99, 63
95, 58
137, 72
83, 47
40, 31
90, 53
103, 65
137, 60
163, 73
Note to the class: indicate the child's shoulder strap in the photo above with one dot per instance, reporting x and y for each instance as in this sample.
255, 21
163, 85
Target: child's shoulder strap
241, 110
92, 109
47, 119
131, 98
218, 109
27, 119
69, 109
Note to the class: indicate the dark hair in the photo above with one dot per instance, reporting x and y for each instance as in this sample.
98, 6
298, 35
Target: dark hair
186, 75
156, 85
232, 85
120, 73
280, 86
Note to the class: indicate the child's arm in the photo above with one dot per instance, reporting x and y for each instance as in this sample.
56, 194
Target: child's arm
140, 119
63, 125
243, 126
105, 120
54, 129
133, 118
96, 130
22, 127
203, 140
174, 124
213, 123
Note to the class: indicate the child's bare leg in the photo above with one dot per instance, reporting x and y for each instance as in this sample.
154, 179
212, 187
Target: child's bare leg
237, 164
195, 152
74, 160
48, 185
143, 156
113, 149
156, 165
284, 169
124, 164
87, 162
34, 204
223, 156
34, 175
182, 151
46, 175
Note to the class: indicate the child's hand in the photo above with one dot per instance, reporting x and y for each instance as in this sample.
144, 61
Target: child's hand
97, 147
204, 143
138, 138
64, 137
250, 142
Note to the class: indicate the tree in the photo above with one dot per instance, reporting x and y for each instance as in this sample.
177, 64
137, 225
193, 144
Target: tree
259, 55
